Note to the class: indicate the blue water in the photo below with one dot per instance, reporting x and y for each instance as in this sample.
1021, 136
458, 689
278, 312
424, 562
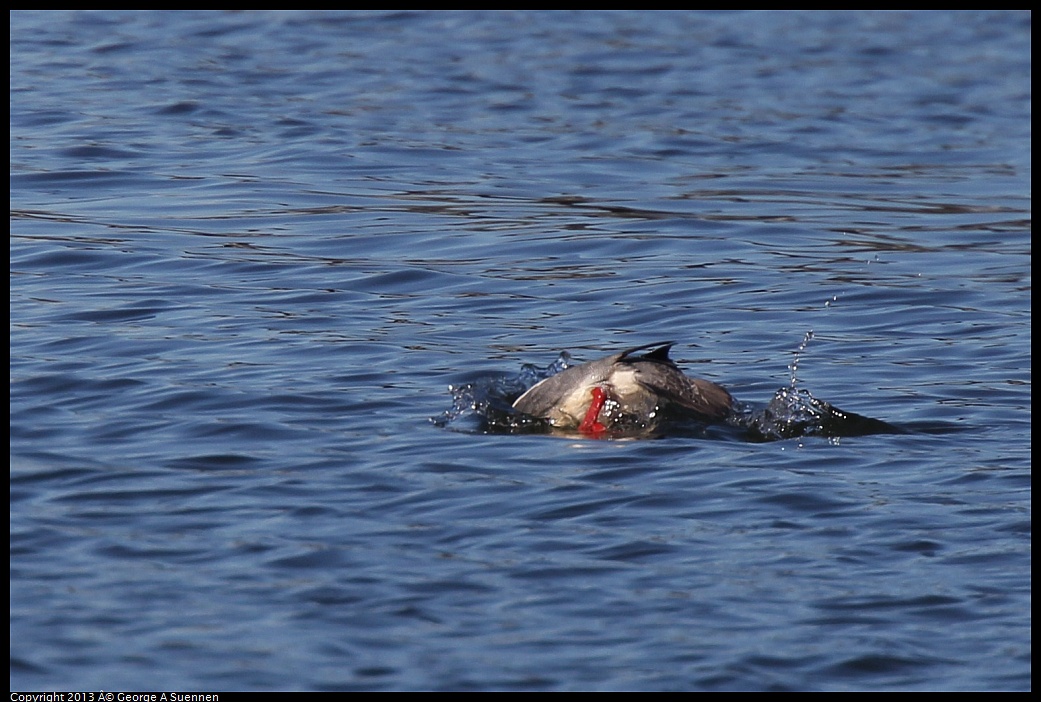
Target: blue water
251, 251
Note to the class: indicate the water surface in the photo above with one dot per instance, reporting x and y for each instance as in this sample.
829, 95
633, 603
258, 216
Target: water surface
251, 251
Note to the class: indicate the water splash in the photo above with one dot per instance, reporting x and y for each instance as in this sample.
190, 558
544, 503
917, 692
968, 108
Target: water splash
486, 405
793, 367
794, 412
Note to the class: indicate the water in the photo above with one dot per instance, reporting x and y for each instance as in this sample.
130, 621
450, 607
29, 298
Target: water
250, 252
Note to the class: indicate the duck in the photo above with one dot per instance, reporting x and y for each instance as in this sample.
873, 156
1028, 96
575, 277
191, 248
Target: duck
632, 388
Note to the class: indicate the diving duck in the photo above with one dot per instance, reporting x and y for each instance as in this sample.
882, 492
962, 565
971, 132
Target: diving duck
625, 389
